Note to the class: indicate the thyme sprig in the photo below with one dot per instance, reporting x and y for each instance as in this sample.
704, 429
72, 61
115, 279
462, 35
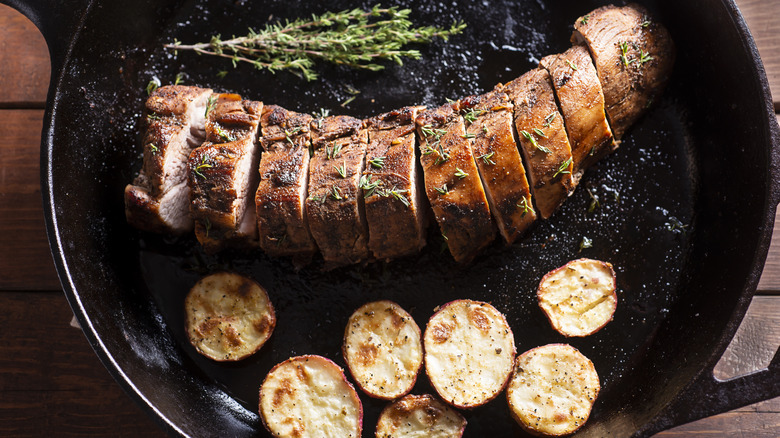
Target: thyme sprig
533, 141
355, 38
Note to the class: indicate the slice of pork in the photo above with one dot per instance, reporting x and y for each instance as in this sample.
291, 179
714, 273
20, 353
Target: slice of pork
452, 183
223, 177
396, 209
158, 199
335, 204
581, 100
488, 120
281, 195
634, 56
542, 139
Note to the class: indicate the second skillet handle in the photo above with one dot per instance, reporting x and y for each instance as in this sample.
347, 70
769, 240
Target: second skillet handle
58, 21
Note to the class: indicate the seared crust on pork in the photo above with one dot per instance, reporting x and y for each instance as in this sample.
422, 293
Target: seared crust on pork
222, 174
281, 195
452, 183
634, 56
158, 199
488, 120
395, 206
548, 156
582, 105
334, 206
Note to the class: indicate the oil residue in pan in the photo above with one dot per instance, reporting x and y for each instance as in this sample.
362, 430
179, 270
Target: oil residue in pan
645, 195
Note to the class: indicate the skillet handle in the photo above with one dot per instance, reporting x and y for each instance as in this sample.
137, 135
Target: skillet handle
58, 21
707, 395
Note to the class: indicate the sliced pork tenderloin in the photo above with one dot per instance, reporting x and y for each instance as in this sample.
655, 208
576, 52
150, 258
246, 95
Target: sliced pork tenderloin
488, 119
284, 174
334, 207
396, 208
158, 199
634, 56
542, 138
452, 182
581, 100
223, 176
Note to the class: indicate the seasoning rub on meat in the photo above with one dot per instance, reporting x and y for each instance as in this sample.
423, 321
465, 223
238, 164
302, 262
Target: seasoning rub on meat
158, 199
334, 207
281, 194
452, 183
222, 174
364, 190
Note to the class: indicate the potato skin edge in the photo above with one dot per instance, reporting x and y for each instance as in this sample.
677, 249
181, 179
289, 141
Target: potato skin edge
357, 381
533, 431
236, 358
550, 319
438, 310
307, 357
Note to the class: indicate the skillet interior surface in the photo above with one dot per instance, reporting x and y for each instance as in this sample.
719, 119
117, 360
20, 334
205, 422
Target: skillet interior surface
681, 207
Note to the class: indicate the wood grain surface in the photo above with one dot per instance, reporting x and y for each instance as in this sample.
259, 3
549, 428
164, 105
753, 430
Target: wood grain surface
52, 383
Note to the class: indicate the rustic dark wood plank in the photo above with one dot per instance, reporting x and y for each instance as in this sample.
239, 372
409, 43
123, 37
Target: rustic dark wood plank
25, 260
24, 62
762, 19
51, 382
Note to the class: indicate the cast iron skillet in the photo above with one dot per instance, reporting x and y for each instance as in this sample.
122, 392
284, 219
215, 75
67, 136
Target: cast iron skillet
686, 210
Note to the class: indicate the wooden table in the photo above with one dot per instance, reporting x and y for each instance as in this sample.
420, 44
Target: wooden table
51, 382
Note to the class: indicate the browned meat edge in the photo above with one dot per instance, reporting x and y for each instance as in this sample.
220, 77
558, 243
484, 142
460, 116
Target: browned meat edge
542, 138
158, 199
334, 207
452, 183
223, 175
396, 209
281, 194
488, 120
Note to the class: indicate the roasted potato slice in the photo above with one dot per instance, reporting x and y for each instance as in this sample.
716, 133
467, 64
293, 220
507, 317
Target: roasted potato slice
579, 298
552, 390
310, 397
383, 349
469, 351
228, 316
420, 416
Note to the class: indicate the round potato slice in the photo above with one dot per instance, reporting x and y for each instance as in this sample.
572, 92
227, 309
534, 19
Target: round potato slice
579, 298
310, 397
420, 416
552, 390
469, 350
228, 316
383, 349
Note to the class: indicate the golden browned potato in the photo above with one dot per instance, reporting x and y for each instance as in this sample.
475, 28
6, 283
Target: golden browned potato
579, 298
310, 397
420, 416
552, 390
228, 316
383, 350
469, 350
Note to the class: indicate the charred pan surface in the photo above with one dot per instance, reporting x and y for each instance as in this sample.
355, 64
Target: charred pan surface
452, 183
581, 100
158, 199
488, 119
223, 175
542, 139
334, 206
394, 202
634, 56
281, 195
